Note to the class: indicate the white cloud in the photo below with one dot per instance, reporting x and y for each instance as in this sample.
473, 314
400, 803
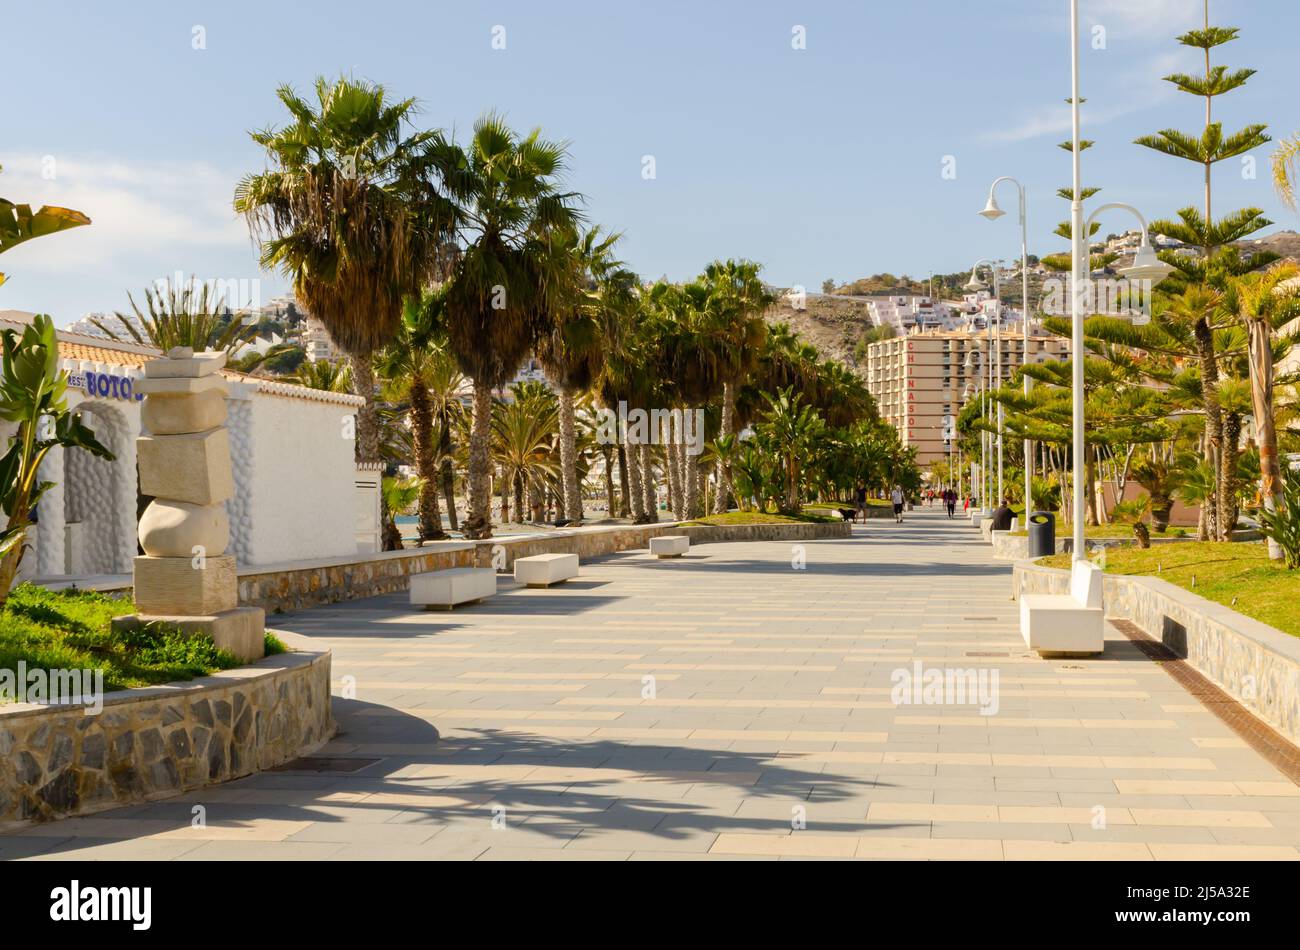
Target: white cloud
175, 213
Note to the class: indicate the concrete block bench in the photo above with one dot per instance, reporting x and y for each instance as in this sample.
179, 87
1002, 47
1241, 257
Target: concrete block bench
1073, 623
458, 585
543, 570
670, 545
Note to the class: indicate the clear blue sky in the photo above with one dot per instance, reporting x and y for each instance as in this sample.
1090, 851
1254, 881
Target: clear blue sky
820, 162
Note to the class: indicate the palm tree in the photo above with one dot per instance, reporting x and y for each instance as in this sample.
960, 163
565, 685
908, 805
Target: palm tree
737, 341
398, 496
349, 211
524, 431
578, 336
506, 188
1195, 327
415, 365
791, 428
1265, 303
329, 375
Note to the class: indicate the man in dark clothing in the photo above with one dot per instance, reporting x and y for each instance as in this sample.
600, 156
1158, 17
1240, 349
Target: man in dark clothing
1002, 516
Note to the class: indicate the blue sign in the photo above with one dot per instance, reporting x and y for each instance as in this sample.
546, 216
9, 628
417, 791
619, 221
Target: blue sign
105, 386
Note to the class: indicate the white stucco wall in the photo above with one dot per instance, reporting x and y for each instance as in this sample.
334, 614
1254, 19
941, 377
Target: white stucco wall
296, 478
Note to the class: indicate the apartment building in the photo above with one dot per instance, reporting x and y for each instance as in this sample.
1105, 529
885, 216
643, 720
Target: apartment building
920, 381
316, 341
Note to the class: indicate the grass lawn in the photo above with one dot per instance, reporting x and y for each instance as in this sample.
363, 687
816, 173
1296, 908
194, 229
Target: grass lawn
760, 517
836, 506
1224, 571
1064, 530
71, 630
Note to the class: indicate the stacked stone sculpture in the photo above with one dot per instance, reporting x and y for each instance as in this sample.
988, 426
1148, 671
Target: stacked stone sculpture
185, 578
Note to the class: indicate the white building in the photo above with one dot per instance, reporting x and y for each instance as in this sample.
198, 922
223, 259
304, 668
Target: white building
292, 454
316, 341
906, 314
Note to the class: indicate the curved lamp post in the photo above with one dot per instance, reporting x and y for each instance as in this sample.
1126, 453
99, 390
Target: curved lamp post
1146, 266
993, 212
994, 361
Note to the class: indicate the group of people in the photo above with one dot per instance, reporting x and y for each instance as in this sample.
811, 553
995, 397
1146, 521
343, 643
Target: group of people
947, 497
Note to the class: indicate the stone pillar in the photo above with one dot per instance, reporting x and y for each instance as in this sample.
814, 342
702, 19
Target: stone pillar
185, 577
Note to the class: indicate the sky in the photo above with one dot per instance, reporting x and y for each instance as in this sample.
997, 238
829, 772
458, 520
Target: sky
824, 140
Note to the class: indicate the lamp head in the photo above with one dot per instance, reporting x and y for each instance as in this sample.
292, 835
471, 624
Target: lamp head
974, 283
991, 210
1146, 266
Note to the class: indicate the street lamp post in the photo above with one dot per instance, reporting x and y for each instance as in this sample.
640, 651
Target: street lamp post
1146, 266
975, 284
993, 212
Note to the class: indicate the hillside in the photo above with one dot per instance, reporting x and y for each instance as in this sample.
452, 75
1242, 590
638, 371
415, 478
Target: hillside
830, 323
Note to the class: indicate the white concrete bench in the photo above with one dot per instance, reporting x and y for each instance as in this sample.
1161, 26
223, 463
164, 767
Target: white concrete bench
670, 545
1067, 623
457, 585
543, 570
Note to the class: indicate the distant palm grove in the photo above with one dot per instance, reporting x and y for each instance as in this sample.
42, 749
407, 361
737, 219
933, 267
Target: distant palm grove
440, 268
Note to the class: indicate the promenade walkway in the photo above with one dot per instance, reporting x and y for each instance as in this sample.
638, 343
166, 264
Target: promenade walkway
735, 703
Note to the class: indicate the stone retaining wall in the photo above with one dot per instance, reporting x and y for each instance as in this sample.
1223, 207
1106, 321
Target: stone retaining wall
157, 742
296, 585
1255, 663
598, 542
292, 586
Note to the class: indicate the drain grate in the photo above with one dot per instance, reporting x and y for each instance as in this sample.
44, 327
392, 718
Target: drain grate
323, 763
979, 618
984, 653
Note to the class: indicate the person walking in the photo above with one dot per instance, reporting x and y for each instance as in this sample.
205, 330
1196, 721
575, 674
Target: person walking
897, 497
950, 502
860, 498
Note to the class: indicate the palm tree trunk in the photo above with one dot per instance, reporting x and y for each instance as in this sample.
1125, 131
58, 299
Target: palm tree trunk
607, 452
625, 491
1261, 391
671, 453
1213, 417
479, 523
572, 502
1227, 500
422, 443
691, 490
648, 483
636, 495
448, 474
723, 490
363, 384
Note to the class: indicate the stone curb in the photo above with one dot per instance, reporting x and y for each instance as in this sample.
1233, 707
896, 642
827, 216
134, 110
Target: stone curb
1258, 665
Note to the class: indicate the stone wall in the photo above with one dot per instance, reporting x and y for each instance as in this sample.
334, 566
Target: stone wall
598, 542
153, 743
299, 584
1257, 665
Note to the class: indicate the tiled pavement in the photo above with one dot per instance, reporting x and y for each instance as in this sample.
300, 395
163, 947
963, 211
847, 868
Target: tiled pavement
526, 727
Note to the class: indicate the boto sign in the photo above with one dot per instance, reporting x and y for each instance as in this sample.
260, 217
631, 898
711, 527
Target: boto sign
105, 386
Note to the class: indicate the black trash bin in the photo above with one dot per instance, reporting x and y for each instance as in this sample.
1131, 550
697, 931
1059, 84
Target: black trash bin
1042, 534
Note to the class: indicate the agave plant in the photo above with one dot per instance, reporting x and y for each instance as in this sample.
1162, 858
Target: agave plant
1281, 525
189, 314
